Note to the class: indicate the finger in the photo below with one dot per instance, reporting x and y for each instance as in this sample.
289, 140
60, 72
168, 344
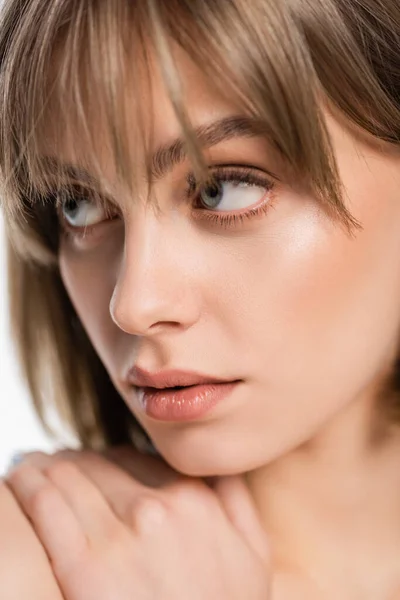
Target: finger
118, 487
241, 510
107, 475
87, 502
150, 470
36, 459
52, 518
83, 497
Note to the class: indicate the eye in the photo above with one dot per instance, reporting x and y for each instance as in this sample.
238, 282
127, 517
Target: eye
231, 194
80, 212
81, 209
234, 194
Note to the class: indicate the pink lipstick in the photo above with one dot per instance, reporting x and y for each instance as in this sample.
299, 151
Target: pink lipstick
177, 395
183, 404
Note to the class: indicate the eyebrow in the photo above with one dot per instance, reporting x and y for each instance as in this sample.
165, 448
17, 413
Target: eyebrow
169, 155
166, 157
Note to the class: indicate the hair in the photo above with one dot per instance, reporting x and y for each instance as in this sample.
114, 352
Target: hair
62, 61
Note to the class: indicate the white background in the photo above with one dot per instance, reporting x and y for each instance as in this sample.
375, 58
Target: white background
19, 428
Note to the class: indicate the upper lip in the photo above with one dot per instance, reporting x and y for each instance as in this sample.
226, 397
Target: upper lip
171, 378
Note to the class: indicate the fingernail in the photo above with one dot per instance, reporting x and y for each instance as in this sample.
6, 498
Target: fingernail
16, 459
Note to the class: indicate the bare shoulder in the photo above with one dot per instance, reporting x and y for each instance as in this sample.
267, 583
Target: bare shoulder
25, 571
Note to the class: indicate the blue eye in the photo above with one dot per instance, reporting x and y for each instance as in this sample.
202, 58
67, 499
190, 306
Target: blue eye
234, 194
231, 195
212, 195
82, 212
82, 208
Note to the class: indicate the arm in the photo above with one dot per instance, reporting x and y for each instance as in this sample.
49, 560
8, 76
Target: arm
25, 570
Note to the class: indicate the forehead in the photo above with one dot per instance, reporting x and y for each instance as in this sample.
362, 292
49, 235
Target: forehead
149, 120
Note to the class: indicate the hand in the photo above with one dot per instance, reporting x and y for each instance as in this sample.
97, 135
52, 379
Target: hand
157, 535
25, 571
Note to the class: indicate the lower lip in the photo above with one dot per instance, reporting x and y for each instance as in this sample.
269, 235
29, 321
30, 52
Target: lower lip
185, 404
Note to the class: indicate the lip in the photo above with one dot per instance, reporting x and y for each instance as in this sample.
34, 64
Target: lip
171, 378
186, 404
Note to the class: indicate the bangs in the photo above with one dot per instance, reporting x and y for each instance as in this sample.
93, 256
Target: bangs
67, 66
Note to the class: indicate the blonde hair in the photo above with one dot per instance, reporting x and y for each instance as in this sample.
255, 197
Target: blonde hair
62, 59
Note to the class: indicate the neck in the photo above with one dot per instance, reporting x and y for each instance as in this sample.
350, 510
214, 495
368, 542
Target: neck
332, 507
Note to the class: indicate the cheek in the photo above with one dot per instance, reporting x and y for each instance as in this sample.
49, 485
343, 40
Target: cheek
318, 306
89, 280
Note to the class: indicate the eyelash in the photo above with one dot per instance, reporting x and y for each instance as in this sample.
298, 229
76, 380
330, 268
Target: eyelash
79, 192
234, 174
219, 174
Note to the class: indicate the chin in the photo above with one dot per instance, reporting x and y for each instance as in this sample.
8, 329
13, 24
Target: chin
201, 465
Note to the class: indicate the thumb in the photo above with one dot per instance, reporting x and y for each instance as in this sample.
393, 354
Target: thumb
241, 510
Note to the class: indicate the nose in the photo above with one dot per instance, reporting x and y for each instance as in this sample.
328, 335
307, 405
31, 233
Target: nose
155, 288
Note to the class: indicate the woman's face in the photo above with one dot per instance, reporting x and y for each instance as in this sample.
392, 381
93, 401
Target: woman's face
285, 300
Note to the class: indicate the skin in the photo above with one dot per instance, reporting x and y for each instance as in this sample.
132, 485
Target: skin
307, 316
20, 577
168, 538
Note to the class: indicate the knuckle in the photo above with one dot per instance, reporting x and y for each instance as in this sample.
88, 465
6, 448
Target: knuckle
190, 496
33, 457
37, 502
147, 513
18, 472
65, 454
41, 501
72, 454
27, 459
59, 470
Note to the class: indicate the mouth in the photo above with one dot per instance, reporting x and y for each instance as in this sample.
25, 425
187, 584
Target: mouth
170, 379
183, 403
175, 387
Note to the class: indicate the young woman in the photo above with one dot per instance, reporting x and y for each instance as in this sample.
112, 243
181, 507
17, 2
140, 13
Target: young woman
203, 206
